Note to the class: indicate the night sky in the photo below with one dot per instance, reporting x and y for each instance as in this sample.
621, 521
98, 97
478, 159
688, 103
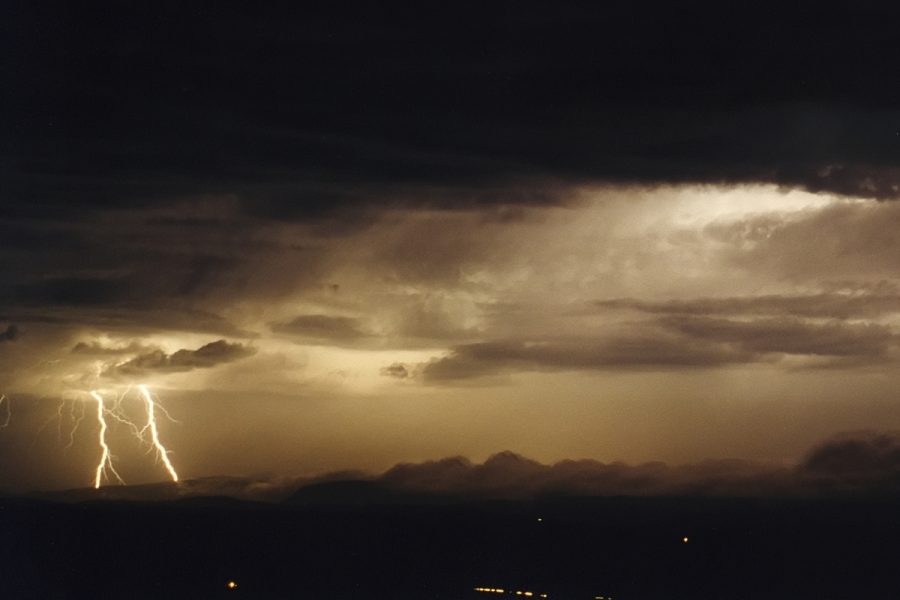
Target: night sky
345, 236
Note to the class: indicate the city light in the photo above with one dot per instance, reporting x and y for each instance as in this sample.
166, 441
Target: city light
523, 593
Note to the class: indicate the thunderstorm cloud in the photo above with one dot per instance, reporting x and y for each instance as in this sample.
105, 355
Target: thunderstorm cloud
660, 231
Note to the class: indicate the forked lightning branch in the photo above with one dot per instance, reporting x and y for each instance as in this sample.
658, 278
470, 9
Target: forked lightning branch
110, 408
148, 434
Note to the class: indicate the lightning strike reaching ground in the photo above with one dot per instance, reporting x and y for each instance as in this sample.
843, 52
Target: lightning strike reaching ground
105, 457
161, 451
115, 411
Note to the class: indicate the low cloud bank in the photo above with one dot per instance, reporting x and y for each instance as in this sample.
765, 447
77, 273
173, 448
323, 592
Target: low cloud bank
850, 464
861, 465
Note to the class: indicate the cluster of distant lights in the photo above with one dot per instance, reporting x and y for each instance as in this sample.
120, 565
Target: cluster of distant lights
528, 594
232, 585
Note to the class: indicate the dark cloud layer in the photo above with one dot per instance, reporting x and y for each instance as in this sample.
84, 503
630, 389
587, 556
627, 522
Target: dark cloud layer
789, 336
860, 464
303, 112
853, 461
100, 349
322, 327
824, 305
209, 355
851, 464
488, 358
510, 475
673, 342
396, 370
147, 150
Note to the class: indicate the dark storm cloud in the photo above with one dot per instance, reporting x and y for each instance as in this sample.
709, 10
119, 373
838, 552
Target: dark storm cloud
396, 370
859, 464
674, 342
850, 462
824, 305
100, 349
73, 291
134, 320
209, 355
322, 327
146, 150
510, 475
301, 113
659, 351
118, 261
166, 268
856, 454
9, 334
789, 336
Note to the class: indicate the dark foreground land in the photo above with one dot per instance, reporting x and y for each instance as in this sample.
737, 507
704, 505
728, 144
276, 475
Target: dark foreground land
626, 548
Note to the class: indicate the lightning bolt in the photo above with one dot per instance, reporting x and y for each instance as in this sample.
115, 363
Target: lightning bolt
105, 456
115, 411
76, 421
161, 451
151, 427
4, 401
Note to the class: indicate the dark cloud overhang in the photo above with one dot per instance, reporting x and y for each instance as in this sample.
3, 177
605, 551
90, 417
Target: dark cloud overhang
640, 351
301, 113
204, 357
322, 329
130, 320
676, 342
94, 348
790, 335
821, 305
72, 291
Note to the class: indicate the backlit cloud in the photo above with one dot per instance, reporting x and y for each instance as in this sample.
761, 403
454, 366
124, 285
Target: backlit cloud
204, 357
